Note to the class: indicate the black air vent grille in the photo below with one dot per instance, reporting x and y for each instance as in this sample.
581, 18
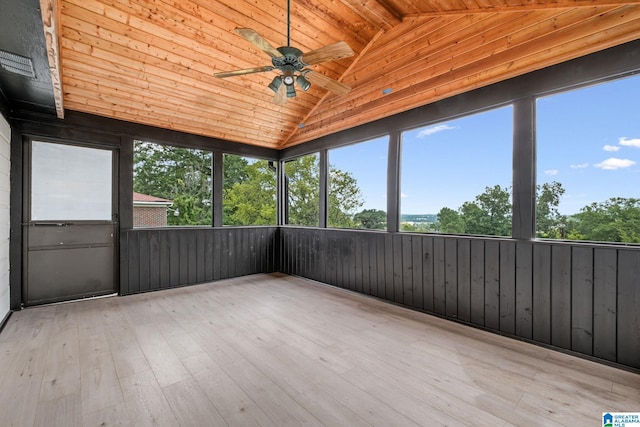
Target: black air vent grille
16, 64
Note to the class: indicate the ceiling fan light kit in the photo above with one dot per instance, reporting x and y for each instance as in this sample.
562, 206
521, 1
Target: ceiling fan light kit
291, 91
303, 83
275, 83
287, 79
291, 62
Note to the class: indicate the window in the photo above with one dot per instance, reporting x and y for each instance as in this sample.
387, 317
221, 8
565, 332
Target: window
456, 175
302, 181
588, 163
249, 196
358, 185
70, 182
172, 186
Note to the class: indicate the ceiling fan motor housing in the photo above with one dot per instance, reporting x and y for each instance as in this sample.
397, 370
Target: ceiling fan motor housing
289, 62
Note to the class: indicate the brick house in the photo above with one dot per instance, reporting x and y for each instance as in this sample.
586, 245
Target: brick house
149, 211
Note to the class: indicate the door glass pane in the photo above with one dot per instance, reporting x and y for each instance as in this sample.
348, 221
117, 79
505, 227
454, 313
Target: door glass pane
70, 183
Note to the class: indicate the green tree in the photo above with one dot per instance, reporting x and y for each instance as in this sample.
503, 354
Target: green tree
494, 214
614, 220
235, 170
178, 174
303, 190
549, 222
450, 221
250, 194
303, 182
475, 220
344, 198
488, 214
371, 219
249, 188
188, 211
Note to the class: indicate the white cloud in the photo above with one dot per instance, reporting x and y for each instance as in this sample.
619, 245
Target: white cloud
611, 147
634, 142
403, 195
434, 129
580, 166
551, 172
612, 164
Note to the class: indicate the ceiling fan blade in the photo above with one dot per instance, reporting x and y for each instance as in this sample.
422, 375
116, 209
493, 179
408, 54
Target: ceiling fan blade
245, 71
327, 83
280, 98
328, 53
259, 42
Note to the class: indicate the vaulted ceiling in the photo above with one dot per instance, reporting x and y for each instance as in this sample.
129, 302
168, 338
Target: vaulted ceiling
153, 61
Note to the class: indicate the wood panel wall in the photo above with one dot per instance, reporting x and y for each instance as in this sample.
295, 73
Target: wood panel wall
576, 297
154, 259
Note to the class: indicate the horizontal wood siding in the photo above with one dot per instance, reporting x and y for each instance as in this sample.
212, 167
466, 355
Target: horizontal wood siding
583, 298
153, 259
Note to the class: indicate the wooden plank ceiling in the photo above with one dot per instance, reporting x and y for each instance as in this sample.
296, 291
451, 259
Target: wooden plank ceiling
152, 61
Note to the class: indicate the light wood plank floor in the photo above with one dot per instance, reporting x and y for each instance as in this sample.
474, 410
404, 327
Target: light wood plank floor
272, 350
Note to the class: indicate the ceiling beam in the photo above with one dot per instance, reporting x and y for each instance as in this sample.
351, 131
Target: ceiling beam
532, 5
377, 12
50, 19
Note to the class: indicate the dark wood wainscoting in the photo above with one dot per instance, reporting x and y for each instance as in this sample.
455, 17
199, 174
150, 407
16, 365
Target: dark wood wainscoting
152, 259
583, 298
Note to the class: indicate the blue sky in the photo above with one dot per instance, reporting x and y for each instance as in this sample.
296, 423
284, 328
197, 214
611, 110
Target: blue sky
367, 162
587, 139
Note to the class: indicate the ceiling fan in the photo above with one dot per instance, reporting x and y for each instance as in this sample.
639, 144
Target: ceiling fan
292, 63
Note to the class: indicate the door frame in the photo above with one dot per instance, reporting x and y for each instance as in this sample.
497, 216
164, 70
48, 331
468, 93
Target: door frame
26, 204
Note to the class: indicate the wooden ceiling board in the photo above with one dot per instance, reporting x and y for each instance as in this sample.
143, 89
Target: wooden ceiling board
445, 49
147, 33
79, 27
308, 31
78, 69
161, 67
490, 62
190, 105
423, 43
342, 17
378, 12
153, 61
439, 8
319, 27
406, 7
